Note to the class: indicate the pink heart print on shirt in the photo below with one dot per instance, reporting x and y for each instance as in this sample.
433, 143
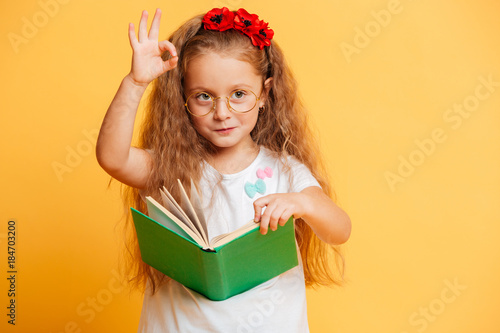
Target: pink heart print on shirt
259, 186
267, 172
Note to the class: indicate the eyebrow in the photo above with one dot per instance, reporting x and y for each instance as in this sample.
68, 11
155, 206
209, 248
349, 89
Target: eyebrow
211, 92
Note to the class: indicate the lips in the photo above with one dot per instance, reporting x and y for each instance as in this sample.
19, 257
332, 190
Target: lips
226, 130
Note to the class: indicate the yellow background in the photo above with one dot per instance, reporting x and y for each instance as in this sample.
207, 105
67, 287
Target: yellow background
436, 227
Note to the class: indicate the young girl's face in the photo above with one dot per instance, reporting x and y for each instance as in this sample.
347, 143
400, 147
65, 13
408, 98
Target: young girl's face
224, 76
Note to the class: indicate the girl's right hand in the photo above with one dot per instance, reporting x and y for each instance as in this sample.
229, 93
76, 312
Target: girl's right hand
147, 63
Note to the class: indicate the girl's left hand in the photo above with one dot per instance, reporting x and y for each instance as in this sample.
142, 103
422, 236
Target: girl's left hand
279, 208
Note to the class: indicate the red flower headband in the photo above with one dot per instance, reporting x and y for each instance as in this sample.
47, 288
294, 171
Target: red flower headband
221, 19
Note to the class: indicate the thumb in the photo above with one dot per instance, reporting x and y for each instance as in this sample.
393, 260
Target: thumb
171, 63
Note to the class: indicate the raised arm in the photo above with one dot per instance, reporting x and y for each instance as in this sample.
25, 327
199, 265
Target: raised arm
131, 165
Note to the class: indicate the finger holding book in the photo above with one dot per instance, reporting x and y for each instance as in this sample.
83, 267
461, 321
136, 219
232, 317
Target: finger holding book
278, 209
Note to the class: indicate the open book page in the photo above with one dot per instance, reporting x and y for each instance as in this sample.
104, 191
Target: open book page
158, 213
198, 210
172, 206
190, 212
188, 219
226, 238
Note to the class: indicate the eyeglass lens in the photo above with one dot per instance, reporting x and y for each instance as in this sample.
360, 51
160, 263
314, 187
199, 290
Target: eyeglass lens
202, 103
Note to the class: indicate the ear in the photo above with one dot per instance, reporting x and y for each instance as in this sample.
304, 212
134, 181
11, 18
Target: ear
265, 91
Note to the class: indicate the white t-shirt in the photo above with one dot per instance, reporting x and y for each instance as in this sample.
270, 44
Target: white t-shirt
278, 305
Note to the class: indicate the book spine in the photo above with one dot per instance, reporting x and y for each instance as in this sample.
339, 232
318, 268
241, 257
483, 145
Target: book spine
215, 286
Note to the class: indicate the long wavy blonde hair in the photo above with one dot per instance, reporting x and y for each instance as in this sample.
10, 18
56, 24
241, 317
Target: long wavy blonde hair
179, 150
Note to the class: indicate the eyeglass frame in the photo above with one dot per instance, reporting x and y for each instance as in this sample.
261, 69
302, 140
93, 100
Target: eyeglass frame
214, 103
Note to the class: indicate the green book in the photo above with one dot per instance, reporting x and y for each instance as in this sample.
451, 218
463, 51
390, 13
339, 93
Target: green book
227, 265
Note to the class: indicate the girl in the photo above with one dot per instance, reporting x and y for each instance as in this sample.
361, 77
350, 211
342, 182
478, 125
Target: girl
224, 112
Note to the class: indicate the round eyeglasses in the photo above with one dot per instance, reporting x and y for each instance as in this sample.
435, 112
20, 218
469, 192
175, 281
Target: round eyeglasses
201, 103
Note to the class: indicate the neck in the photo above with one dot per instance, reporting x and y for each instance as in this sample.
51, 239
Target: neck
229, 161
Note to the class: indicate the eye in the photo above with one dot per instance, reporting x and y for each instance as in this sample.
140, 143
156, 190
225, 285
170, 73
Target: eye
203, 96
239, 94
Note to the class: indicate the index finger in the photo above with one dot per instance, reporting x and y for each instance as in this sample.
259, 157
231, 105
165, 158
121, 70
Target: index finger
258, 205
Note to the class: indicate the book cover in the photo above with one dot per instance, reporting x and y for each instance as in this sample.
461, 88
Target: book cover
225, 271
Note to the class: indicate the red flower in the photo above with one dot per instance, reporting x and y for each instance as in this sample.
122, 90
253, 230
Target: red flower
263, 36
244, 21
256, 29
219, 19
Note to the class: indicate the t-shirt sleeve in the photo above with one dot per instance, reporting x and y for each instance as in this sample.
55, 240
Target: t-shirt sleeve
301, 176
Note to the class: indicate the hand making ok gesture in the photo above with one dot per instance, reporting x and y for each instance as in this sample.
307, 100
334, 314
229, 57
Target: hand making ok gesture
147, 63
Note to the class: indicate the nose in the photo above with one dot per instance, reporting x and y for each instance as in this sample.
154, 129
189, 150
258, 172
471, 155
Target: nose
221, 110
